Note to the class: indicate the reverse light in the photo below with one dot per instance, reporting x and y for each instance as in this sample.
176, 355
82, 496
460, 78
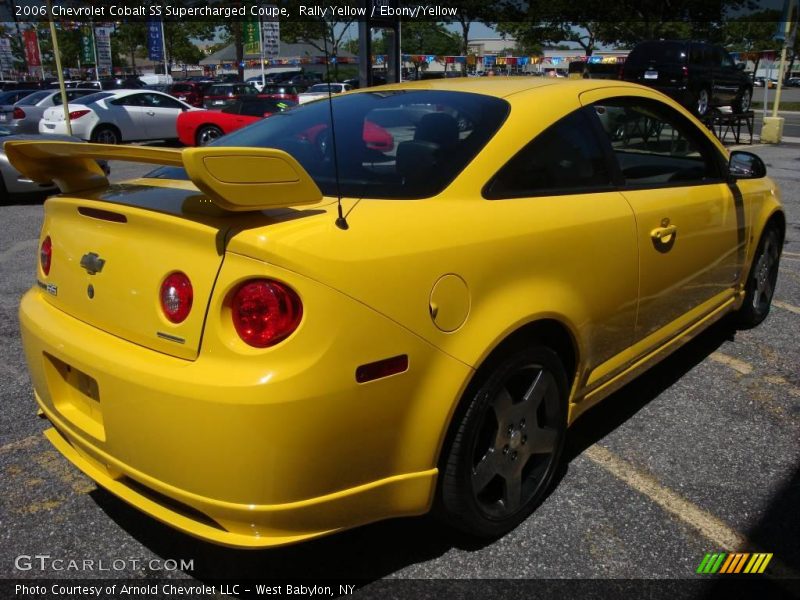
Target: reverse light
46, 255
176, 297
18, 113
77, 114
264, 312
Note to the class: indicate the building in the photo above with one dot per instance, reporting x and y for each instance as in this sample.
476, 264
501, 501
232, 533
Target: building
291, 57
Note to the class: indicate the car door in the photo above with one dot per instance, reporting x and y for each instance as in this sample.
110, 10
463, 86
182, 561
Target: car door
162, 115
570, 224
128, 113
690, 225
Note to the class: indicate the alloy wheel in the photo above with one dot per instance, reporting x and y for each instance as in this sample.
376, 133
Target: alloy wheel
207, 135
702, 102
765, 275
517, 442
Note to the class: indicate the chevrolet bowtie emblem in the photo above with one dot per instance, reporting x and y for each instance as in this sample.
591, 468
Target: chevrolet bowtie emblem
92, 263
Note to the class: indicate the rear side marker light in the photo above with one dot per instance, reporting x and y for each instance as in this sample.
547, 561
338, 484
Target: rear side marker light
46, 255
382, 368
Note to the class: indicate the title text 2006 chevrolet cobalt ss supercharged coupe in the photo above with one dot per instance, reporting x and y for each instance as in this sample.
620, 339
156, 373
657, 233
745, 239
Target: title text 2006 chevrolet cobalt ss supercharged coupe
218, 346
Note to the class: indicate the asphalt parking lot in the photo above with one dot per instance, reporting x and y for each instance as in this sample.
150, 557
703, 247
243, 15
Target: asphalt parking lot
701, 454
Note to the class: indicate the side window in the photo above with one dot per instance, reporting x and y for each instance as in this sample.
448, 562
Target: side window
565, 158
727, 61
132, 100
655, 145
164, 101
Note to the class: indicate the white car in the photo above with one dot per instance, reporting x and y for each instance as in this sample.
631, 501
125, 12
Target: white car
255, 82
322, 90
118, 116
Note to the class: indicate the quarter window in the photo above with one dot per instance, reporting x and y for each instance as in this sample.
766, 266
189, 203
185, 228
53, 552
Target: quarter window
655, 145
566, 158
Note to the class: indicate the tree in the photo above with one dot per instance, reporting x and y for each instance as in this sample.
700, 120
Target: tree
128, 38
324, 34
178, 39
421, 37
753, 33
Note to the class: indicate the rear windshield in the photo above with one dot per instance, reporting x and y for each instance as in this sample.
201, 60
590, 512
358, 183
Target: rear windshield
658, 52
396, 144
92, 98
34, 98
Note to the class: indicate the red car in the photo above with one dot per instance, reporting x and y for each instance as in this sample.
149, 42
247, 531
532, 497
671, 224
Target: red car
199, 127
191, 92
219, 95
375, 137
277, 90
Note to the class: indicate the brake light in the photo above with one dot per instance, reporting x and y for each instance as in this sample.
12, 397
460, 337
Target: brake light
77, 114
685, 71
46, 255
18, 113
264, 312
176, 296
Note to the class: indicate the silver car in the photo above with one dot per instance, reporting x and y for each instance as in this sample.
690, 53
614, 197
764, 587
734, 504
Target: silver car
13, 182
24, 115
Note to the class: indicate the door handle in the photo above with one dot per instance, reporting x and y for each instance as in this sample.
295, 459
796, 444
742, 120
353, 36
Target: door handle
150, 112
664, 234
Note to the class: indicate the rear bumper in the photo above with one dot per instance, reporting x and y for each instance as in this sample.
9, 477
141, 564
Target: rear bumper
254, 450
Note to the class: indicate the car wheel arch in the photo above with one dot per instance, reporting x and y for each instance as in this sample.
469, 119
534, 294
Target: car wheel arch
552, 333
111, 126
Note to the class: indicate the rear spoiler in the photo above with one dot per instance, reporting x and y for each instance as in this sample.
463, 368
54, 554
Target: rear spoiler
235, 179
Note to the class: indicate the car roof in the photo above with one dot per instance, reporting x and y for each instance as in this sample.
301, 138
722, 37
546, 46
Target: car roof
500, 86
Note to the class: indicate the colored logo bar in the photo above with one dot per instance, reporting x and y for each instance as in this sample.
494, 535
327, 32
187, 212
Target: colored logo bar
734, 562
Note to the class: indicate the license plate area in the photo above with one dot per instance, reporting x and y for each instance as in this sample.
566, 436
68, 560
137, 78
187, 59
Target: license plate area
76, 396
651, 74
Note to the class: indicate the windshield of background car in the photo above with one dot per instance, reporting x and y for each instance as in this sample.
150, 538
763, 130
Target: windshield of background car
34, 98
391, 144
658, 52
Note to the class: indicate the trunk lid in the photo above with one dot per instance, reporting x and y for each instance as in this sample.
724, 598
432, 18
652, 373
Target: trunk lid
142, 234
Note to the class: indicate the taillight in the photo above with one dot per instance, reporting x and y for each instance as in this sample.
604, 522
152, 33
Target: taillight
685, 71
265, 312
46, 255
18, 113
77, 114
176, 296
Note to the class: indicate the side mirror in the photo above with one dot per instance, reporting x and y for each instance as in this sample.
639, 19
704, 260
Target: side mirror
746, 165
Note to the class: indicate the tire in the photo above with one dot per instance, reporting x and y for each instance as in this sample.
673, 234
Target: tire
743, 101
207, 134
502, 457
761, 280
5, 197
106, 134
702, 102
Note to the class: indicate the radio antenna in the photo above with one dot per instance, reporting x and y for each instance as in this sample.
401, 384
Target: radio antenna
341, 221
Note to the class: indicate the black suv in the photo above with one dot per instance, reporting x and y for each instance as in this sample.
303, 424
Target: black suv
699, 75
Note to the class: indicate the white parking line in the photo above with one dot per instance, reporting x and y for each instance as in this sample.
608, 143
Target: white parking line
27, 442
734, 363
709, 526
786, 306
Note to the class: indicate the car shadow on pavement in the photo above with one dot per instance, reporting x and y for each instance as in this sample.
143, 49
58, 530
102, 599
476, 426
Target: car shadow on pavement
602, 419
380, 549
363, 554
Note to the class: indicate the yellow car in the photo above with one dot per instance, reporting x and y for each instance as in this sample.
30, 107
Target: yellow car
292, 331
